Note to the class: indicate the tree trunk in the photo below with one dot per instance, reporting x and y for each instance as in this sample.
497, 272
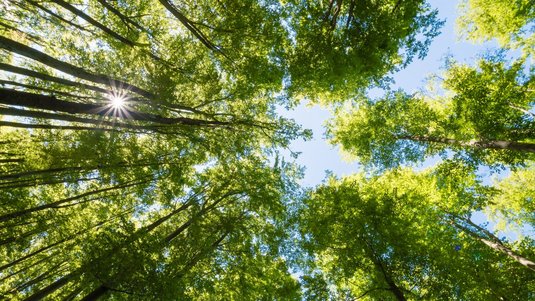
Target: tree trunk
492, 241
95, 23
483, 144
41, 294
189, 25
78, 72
50, 78
63, 201
96, 293
44, 102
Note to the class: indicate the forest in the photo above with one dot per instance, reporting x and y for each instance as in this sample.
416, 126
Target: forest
144, 155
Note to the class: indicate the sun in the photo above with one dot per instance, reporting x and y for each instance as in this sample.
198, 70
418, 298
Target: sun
117, 101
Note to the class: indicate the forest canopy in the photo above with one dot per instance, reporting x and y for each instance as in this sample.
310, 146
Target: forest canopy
142, 152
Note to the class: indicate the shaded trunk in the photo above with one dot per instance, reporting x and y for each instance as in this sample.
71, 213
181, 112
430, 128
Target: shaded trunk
190, 26
51, 91
482, 144
392, 286
51, 288
98, 123
50, 78
55, 15
492, 241
126, 20
56, 127
44, 58
63, 201
96, 293
44, 102
95, 23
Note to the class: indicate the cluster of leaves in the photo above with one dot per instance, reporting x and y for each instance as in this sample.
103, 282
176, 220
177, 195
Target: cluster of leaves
408, 236
483, 118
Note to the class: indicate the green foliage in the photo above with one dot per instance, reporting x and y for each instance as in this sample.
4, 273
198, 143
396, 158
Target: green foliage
343, 46
510, 22
483, 118
370, 237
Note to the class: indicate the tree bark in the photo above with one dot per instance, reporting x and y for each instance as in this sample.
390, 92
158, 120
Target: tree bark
44, 58
44, 102
46, 77
98, 123
482, 144
95, 23
190, 26
96, 293
63, 201
492, 241
41, 294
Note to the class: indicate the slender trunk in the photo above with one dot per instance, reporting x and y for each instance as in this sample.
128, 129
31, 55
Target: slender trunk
180, 229
55, 127
103, 289
46, 275
492, 241
483, 144
376, 259
500, 247
73, 294
44, 58
51, 91
46, 77
44, 102
96, 293
51, 288
35, 39
95, 23
63, 201
190, 26
41, 181
121, 164
55, 15
55, 116
391, 284
26, 268
201, 255
126, 20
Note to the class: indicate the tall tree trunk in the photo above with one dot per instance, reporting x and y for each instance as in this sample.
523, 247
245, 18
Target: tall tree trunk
483, 144
96, 293
44, 102
98, 123
63, 201
44, 58
190, 26
51, 288
95, 23
36, 4
492, 241
50, 78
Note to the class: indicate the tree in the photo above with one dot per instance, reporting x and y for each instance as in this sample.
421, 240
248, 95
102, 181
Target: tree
507, 21
408, 236
484, 118
341, 47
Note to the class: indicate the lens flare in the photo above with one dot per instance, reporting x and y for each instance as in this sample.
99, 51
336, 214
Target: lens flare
117, 101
